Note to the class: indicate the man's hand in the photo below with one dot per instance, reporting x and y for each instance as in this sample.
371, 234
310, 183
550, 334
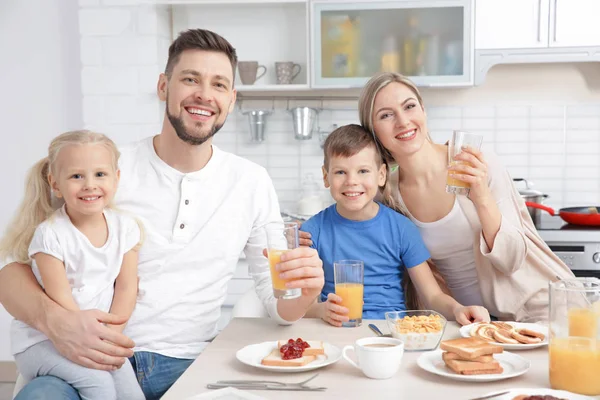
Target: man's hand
303, 268
82, 337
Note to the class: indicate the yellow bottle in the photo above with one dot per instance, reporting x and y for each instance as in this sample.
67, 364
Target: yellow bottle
339, 42
390, 57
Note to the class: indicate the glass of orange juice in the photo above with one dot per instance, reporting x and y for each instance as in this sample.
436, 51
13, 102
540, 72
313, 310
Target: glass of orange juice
281, 237
574, 352
459, 140
349, 280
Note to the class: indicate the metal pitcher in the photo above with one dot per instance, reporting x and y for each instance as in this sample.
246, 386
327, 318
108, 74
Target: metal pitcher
304, 119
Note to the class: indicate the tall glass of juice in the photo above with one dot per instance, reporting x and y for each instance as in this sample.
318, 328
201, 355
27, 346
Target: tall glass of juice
574, 350
281, 237
459, 140
349, 285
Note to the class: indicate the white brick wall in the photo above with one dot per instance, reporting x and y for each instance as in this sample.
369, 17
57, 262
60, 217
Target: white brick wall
124, 48
557, 147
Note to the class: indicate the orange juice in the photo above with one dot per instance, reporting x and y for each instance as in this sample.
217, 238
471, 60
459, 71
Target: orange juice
274, 259
352, 298
455, 182
583, 323
575, 365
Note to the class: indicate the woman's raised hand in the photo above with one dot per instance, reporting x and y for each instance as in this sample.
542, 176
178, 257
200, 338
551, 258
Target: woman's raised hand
474, 171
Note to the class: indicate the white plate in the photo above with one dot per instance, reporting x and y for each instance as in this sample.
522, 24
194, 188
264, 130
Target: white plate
253, 354
540, 392
513, 365
465, 331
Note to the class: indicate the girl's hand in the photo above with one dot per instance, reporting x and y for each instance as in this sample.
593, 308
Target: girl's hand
471, 314
332, 312
473, 172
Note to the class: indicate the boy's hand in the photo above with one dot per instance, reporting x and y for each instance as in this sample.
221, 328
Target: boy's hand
332, 312
304, 236
466, 315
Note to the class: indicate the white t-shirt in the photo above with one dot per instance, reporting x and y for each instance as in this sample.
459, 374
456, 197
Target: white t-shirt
91, 271
196, 225
450, 243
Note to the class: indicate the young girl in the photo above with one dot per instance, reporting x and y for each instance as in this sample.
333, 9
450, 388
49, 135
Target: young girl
83, 253
359, 228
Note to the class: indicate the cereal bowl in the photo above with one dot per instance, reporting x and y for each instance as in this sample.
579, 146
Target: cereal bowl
420, 330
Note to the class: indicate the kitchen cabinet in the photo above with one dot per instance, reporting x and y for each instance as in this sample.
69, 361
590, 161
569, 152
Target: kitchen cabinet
431, 41
531, 24
511, 24
574, 23
266, 32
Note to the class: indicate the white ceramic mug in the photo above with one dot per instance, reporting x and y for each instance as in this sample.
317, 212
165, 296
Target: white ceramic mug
378, 357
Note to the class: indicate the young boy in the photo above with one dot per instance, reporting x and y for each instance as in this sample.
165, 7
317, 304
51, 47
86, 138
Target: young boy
359, 228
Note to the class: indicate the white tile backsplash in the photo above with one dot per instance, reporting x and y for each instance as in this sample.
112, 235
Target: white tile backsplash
556, 146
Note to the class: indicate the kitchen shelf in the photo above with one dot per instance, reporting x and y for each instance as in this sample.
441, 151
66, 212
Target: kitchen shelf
272, 88
220, 2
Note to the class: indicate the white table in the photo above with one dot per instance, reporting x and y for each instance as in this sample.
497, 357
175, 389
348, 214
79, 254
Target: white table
343, 381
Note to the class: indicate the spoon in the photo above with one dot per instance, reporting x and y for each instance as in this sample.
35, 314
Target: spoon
377, 331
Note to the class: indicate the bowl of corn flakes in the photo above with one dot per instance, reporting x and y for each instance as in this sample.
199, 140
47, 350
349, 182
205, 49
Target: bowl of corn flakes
420, 330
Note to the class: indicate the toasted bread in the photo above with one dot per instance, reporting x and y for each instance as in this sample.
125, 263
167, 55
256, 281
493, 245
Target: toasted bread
446, 356
274, 359
474, 368
470, 348
316, 347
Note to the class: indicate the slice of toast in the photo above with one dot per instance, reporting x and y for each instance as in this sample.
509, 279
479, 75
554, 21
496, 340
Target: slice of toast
470, 348
274, 359
316, 347
474, 368
446, 356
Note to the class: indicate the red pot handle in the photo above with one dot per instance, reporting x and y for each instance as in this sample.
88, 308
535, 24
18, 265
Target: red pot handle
550, 210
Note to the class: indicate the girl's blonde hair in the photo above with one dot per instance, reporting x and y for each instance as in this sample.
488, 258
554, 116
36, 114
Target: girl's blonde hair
366, 104
38, 203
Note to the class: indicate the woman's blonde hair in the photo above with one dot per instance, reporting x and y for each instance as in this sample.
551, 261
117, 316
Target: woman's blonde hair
366, 104
38, 203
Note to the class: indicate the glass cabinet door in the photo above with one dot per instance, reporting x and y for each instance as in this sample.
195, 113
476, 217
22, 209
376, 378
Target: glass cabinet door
430, 41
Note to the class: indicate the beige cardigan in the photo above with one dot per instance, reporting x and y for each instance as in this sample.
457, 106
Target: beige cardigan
514, 276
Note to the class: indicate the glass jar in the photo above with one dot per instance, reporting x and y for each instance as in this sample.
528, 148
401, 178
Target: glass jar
574, 350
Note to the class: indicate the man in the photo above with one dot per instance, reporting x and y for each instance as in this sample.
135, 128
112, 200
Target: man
200, 207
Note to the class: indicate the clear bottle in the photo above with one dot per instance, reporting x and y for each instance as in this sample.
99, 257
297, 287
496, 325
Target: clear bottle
390, 57
311, 199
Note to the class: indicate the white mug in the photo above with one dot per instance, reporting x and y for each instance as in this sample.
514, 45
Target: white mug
378, 357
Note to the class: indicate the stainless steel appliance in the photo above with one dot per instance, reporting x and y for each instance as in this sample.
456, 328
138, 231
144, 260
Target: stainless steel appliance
578, 246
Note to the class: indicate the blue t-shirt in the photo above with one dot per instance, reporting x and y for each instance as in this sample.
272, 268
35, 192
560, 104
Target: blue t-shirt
386, 244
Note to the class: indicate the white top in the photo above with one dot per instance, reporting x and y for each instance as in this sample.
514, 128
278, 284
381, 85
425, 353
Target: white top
196, 225
91, 271
450, 243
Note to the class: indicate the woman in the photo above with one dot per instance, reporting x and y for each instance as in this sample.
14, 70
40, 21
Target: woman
484, 245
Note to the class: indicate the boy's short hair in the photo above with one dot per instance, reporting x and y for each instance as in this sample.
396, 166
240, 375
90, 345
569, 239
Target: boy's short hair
347, 141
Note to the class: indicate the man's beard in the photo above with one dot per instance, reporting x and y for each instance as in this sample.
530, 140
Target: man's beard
177, 123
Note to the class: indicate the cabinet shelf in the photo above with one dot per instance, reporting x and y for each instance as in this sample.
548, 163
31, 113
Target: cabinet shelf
272, 88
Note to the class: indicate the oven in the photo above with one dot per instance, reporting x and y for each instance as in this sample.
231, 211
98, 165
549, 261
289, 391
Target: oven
578, 246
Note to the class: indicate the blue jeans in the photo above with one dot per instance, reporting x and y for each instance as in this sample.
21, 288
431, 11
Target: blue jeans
155, 373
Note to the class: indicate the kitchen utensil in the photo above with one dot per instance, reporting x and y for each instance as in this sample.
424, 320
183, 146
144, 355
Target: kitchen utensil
250, 381
375, 329
285, 72
491, 396
265, 387
532, 195
588, 216
304, 119
249, 71
257, 120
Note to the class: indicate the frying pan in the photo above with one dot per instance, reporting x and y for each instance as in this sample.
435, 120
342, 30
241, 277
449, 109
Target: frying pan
589, 216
